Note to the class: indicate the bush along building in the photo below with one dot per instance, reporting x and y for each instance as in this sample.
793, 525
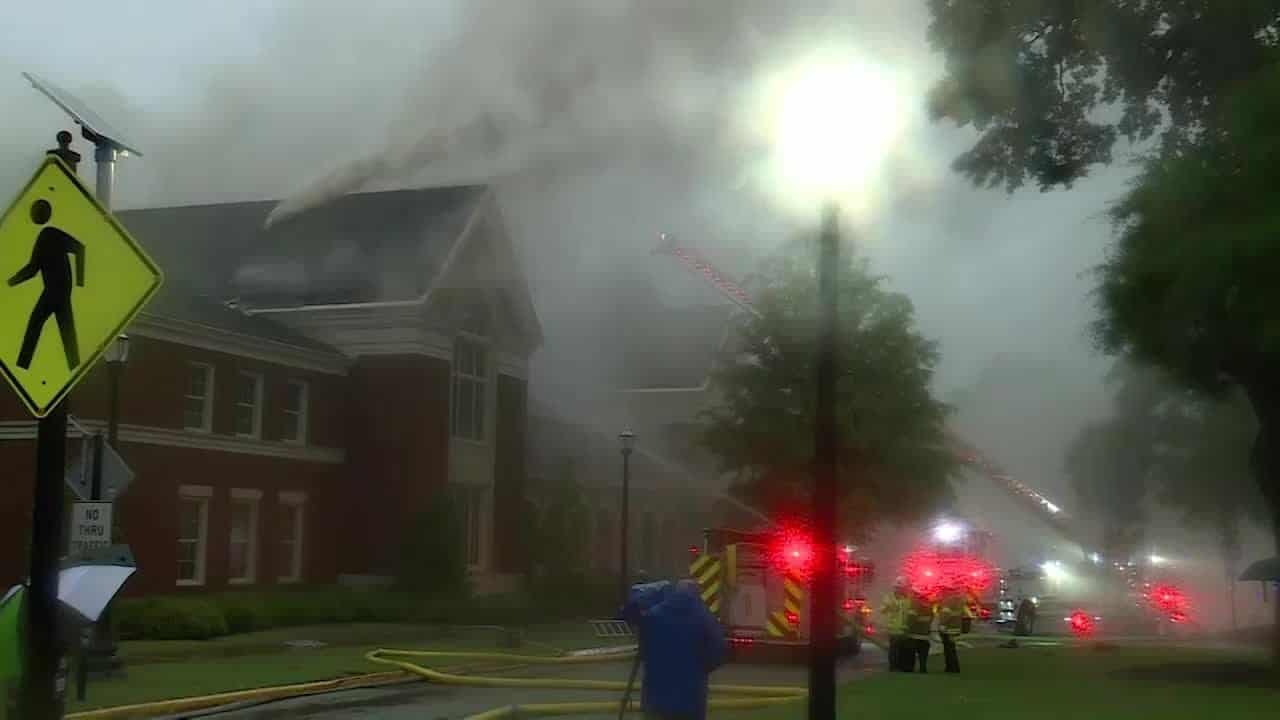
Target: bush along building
296, 397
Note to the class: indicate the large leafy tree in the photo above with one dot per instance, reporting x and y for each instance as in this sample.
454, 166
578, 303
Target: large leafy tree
1053, 86
893, 460
1189, 287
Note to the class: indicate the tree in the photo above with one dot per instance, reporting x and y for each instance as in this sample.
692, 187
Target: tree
1188, 286
432, 557
1203, 470
893, 446
1052, 86
1095, 462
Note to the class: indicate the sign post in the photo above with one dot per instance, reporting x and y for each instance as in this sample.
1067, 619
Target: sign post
92, 280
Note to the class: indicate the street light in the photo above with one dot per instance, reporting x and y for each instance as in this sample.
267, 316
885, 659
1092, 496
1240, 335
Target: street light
627, 441
117, 356
832, 120
104, 655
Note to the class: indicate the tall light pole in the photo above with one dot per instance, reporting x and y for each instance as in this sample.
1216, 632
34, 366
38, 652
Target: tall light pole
826, 495
627, 440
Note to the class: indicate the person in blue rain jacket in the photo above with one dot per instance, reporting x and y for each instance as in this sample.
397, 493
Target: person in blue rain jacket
681, 643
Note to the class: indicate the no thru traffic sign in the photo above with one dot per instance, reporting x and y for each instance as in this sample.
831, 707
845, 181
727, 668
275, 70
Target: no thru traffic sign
90, 526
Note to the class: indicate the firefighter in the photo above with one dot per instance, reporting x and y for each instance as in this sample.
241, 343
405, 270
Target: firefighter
953, 610
919, 627
682, 644
895, 607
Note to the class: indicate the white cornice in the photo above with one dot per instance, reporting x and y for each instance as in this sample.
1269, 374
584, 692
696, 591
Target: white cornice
24, 430
205, 337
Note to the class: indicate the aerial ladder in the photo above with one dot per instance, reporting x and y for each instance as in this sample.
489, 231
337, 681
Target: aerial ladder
965, 452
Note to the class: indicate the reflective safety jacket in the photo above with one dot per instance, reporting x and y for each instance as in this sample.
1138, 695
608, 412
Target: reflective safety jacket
920, 618
894, 610
952, 609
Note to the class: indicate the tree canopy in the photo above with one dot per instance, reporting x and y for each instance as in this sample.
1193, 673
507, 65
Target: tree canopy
1053, 86
891, 425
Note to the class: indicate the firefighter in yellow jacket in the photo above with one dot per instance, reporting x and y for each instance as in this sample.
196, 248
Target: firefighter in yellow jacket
953, 610
894, 609
919, 627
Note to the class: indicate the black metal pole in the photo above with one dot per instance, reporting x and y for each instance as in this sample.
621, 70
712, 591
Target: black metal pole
626, 492
39, 692
822, 648
42, 656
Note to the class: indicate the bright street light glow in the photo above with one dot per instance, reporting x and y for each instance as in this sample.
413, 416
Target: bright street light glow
1054, 571
833, 119
1157, 560
1095, 558
947, 532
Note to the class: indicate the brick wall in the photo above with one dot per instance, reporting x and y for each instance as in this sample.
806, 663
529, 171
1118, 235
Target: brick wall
398, 451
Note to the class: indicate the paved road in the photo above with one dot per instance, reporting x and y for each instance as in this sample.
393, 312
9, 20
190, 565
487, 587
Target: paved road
423, 701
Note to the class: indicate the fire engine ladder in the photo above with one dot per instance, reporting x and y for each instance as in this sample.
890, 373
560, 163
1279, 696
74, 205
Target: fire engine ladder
1040, 506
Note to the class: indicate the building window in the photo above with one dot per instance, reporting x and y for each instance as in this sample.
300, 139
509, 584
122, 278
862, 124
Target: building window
243, 557
293, 506
198, 407
468, 389
193, 533
296, 400
249, 405
471, 506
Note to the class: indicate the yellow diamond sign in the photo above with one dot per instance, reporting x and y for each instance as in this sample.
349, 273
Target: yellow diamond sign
71, 279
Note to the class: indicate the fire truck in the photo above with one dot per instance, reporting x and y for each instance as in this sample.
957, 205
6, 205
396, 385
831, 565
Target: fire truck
757, 584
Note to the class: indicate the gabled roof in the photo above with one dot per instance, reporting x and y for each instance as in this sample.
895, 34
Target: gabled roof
362, 247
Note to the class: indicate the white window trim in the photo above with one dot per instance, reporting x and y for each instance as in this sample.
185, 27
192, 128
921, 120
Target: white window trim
485, 381
254, 498
304, 413
204, 494
297, 503
259, 383
207, 418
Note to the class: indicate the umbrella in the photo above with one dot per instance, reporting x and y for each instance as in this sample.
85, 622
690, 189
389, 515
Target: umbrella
86, 589
1263, 570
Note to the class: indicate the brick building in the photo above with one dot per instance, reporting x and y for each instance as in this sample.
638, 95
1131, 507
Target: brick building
294, 395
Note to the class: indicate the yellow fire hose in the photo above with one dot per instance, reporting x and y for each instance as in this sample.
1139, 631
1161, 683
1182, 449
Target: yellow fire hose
748, 696
724, 697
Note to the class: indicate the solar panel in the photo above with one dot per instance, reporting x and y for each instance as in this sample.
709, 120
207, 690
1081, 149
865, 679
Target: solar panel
81, 113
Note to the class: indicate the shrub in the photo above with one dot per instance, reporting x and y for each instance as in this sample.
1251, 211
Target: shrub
170, 618
432, 557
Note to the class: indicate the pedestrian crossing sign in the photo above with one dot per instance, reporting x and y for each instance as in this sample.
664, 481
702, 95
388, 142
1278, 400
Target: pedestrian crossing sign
71, 279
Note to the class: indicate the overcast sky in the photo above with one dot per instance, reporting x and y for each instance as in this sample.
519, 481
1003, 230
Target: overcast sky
241, 99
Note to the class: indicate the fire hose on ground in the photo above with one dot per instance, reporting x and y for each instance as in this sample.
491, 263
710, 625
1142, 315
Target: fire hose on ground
723, 697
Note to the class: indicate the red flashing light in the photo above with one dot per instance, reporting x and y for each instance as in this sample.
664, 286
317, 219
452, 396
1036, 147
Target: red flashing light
693, 550
741, 640
792, 552
869, 629
1081, 623
848, 605
793, 618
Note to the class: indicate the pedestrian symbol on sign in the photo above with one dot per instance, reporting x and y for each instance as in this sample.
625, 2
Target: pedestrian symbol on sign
49, 259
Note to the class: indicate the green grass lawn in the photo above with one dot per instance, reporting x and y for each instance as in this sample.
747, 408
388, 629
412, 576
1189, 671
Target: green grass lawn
159, 670
1068, 683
